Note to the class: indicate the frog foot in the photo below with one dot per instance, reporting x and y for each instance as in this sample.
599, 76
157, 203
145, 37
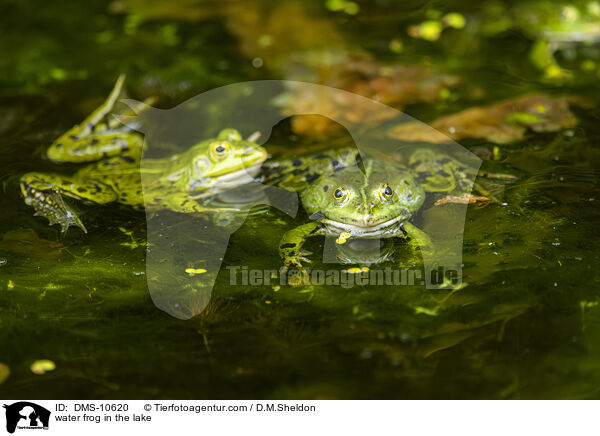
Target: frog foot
295, 259
51, 205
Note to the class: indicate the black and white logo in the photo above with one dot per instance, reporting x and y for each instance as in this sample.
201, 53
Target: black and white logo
26, 415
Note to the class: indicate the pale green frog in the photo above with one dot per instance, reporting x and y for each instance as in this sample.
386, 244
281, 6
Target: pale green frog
180, 183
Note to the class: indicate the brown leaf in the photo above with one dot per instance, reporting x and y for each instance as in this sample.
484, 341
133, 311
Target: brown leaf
462, 199
27, 242
503, 122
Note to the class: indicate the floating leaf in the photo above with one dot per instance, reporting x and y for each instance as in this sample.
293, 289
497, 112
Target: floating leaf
462, 199
4, 372
42, 366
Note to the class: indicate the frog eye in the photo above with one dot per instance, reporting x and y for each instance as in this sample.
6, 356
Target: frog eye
386, 192
219, 150
340, 193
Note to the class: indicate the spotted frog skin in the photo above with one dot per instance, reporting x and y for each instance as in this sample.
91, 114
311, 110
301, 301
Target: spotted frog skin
349, 197
179, 183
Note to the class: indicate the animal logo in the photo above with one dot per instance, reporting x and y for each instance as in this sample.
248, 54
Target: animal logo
26, 415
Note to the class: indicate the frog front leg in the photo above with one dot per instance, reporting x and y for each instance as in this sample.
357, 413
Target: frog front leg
44, 192
418, 239
290, 247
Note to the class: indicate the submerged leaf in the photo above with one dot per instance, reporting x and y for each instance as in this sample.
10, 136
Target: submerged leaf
392, 85
503, 122
27, 241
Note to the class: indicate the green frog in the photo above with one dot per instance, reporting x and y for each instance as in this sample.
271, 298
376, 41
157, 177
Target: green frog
558, 28
349, 197
554, 26
181, 183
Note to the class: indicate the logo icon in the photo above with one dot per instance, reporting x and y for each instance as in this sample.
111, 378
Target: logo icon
26, 415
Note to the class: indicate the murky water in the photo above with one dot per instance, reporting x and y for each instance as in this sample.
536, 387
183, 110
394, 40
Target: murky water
526, 323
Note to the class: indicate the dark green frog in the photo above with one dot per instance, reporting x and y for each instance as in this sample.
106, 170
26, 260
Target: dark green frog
349, 197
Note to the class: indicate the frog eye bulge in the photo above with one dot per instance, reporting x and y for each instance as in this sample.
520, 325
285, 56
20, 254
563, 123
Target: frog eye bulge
219, 150
386, 193
340, 194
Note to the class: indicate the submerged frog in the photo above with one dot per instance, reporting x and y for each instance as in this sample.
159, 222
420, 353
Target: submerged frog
554, 26
558, 28
181, 183
350, 197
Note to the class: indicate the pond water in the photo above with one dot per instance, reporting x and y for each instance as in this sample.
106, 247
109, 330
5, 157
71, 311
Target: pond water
524, 324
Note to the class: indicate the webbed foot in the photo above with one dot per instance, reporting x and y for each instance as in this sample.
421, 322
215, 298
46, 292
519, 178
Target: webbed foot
295, 259
51, 205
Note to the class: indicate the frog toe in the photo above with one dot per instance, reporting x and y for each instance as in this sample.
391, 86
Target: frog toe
303, 256
294, 262
53, 207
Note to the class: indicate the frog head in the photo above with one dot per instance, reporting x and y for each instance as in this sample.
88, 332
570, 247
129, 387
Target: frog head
368, 203
227, 160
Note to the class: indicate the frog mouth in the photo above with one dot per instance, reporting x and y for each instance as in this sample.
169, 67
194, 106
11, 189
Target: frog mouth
227, 181
243, 175
365, 228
